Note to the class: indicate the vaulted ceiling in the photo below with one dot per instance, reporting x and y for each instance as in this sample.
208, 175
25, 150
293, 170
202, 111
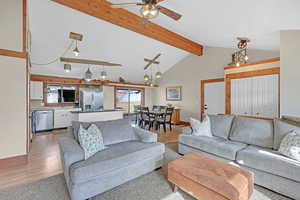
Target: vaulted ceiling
211, 23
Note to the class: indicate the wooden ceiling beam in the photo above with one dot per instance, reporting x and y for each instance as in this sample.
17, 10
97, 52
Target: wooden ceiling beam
88, 62
121, 17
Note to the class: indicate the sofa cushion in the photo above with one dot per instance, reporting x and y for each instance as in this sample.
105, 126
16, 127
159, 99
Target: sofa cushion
221, 125
214, 145
90, 140
290, 145
281, 129
269, 161
114, 131
252, 131
116, 156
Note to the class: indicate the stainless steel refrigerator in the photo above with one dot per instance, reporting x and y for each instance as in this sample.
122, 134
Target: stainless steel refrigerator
91, 98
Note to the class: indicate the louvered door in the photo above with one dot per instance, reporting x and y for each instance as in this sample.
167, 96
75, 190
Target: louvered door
255, 96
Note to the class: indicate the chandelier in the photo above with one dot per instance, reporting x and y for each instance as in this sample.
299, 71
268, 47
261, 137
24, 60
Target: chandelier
241, 55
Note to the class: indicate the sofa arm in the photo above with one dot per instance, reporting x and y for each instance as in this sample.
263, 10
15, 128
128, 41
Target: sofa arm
187, 130
70, 151
145, 136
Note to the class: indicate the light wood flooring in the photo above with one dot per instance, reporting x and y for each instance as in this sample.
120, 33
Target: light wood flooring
44, 159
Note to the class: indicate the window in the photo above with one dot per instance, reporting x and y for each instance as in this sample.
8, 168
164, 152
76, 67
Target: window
127, 98
60, 94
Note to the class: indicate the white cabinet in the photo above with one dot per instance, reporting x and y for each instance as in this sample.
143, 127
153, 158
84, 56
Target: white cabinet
36, 90
63, 117
255, 96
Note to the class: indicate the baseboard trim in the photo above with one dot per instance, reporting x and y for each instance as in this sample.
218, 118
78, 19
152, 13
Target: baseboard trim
13, 161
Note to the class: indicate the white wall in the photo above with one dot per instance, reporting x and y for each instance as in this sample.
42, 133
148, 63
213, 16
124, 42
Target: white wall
11, 25
189, 71
290, 72
13, 107
13, 133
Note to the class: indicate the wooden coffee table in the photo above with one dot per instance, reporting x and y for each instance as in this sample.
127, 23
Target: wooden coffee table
207, 178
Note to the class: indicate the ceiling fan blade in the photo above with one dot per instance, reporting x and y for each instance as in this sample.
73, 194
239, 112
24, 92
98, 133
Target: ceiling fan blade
148, 60
124, 5
169, 13
152, 61
148, 65
158, 1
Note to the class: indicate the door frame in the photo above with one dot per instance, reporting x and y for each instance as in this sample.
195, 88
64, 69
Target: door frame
262, 72
202, 92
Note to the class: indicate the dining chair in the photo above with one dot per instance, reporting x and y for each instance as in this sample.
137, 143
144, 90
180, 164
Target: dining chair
166, 118
155, 108
137, 109
162, 108
146, 117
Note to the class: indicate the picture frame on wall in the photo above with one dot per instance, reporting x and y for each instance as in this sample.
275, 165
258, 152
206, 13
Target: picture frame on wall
174, 93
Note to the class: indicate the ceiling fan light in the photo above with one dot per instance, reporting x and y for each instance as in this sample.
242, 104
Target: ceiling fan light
146, 77
88, 75
149, 11
158, 75
67, 68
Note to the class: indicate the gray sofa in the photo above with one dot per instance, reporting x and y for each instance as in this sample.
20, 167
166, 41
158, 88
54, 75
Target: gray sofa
251, 144
131, 152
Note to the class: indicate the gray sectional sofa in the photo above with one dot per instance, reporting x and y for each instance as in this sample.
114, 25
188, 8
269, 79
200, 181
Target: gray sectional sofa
131, 152
251, 144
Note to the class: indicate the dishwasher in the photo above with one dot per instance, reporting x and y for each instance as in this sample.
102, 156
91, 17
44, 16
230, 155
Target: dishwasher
42, 120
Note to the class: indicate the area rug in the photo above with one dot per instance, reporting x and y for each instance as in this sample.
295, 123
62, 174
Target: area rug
152, 186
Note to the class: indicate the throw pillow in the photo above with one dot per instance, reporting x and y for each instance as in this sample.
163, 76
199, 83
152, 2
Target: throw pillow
90, 140
201, 128
290, 145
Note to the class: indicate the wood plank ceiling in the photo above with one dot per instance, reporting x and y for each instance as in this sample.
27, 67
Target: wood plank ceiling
121, 17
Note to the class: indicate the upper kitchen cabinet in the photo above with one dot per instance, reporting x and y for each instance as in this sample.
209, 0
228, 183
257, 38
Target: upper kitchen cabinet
36, 90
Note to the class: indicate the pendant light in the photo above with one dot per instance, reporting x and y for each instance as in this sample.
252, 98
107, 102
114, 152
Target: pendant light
88, 75
76, 50
146, 77
67, 68
103, 74
158, 73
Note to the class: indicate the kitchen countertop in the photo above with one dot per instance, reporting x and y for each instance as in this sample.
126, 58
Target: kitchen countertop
93, 111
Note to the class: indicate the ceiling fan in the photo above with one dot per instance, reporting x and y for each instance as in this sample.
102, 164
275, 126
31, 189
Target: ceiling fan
150, 9
158, 74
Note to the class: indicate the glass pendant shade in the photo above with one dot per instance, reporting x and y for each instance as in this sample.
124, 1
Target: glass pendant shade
246, 58
149, 11
146, 77
88, 75
67, 68
103, 75
158, 75
76, 50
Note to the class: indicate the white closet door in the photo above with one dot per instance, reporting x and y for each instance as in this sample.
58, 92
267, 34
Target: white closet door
265, 96
241, 90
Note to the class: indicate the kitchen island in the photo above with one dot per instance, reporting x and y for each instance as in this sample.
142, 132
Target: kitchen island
97, 115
